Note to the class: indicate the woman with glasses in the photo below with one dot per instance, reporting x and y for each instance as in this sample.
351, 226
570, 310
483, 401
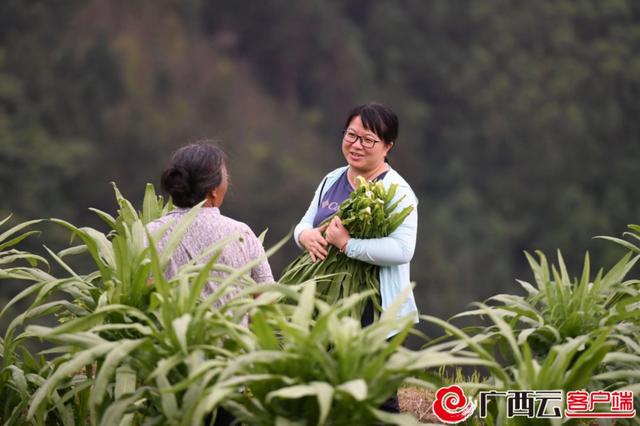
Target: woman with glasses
370, 132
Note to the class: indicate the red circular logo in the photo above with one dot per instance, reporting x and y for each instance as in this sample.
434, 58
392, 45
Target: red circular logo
452, 406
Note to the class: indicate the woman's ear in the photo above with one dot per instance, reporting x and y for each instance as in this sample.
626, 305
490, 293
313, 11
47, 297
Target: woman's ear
389, 146
211, 199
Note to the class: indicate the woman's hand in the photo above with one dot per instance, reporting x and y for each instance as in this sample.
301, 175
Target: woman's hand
337, 234
313, 241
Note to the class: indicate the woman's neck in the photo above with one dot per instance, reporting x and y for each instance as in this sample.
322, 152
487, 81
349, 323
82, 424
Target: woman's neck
352, 174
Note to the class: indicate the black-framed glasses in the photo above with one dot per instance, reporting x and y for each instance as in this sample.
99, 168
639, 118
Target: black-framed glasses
352, 137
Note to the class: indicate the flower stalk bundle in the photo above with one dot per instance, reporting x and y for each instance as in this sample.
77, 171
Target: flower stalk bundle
368, 213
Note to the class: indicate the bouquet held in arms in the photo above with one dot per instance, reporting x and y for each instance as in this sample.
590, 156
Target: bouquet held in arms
367, 213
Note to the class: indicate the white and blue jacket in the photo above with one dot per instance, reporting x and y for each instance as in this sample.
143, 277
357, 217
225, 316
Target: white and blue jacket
393, 253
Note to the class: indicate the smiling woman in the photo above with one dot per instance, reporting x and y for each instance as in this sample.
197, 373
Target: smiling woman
370, 132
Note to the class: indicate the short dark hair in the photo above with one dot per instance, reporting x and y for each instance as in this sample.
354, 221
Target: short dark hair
377, 118
194, 171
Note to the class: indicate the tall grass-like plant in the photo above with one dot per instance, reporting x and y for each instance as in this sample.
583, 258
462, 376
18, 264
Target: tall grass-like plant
568, 334
570, 365
169, 354
143, 344
19, 370
557, 307
126, 335
132, 346
317, 366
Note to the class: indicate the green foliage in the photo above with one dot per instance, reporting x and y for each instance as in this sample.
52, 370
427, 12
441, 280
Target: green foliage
330, 371
132, 346
568, 334
573, 364
17, 378
507, 101
634, 235
557, 308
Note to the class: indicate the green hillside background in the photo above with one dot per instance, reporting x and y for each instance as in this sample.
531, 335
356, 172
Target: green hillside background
519, 121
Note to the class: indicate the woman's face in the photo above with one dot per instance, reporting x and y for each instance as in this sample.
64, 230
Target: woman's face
359, 158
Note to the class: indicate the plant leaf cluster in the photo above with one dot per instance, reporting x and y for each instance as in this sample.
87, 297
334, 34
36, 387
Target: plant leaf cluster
132, 346
567, 334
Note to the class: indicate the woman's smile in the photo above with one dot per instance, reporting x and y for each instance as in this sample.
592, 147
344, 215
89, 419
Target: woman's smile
355, 156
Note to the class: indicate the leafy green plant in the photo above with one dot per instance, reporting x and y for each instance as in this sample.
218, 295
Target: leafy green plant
567, 334
570, 365
132, 346
124, 337
558, 308
20, 371
633, 234
318, 366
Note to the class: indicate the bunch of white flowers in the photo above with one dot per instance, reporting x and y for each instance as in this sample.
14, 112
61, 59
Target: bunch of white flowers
368, 213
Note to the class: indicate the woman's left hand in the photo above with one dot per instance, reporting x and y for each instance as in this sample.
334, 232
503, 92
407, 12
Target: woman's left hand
336, 234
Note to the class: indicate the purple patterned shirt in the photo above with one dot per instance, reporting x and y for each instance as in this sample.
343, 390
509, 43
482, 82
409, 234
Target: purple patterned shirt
208, 227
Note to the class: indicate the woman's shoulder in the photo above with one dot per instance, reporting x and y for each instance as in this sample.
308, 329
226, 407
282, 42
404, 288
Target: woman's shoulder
393, 177
235, 226
163, 220
334, 174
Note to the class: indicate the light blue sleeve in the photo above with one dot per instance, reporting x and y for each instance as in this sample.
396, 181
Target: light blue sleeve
307, 220
399, 246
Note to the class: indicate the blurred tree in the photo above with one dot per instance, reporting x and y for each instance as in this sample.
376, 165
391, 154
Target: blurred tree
40, 158
523, 104
518, 120
307, 54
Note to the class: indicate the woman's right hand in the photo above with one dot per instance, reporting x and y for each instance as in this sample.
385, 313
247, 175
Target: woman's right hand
313, 241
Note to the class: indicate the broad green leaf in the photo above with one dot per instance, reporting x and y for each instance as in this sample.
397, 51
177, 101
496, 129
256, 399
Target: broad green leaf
15, 229
618, 375
181, 329
403, 419
151, 205
621, 242
106, 217
68, 368
211, 399
17, 239
116, 411
177, 234
304, 310
356, 388
322, 391
109, 365
264, 332
169, 401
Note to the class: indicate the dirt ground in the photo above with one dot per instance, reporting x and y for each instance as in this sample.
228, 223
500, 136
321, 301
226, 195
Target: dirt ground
417, 402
